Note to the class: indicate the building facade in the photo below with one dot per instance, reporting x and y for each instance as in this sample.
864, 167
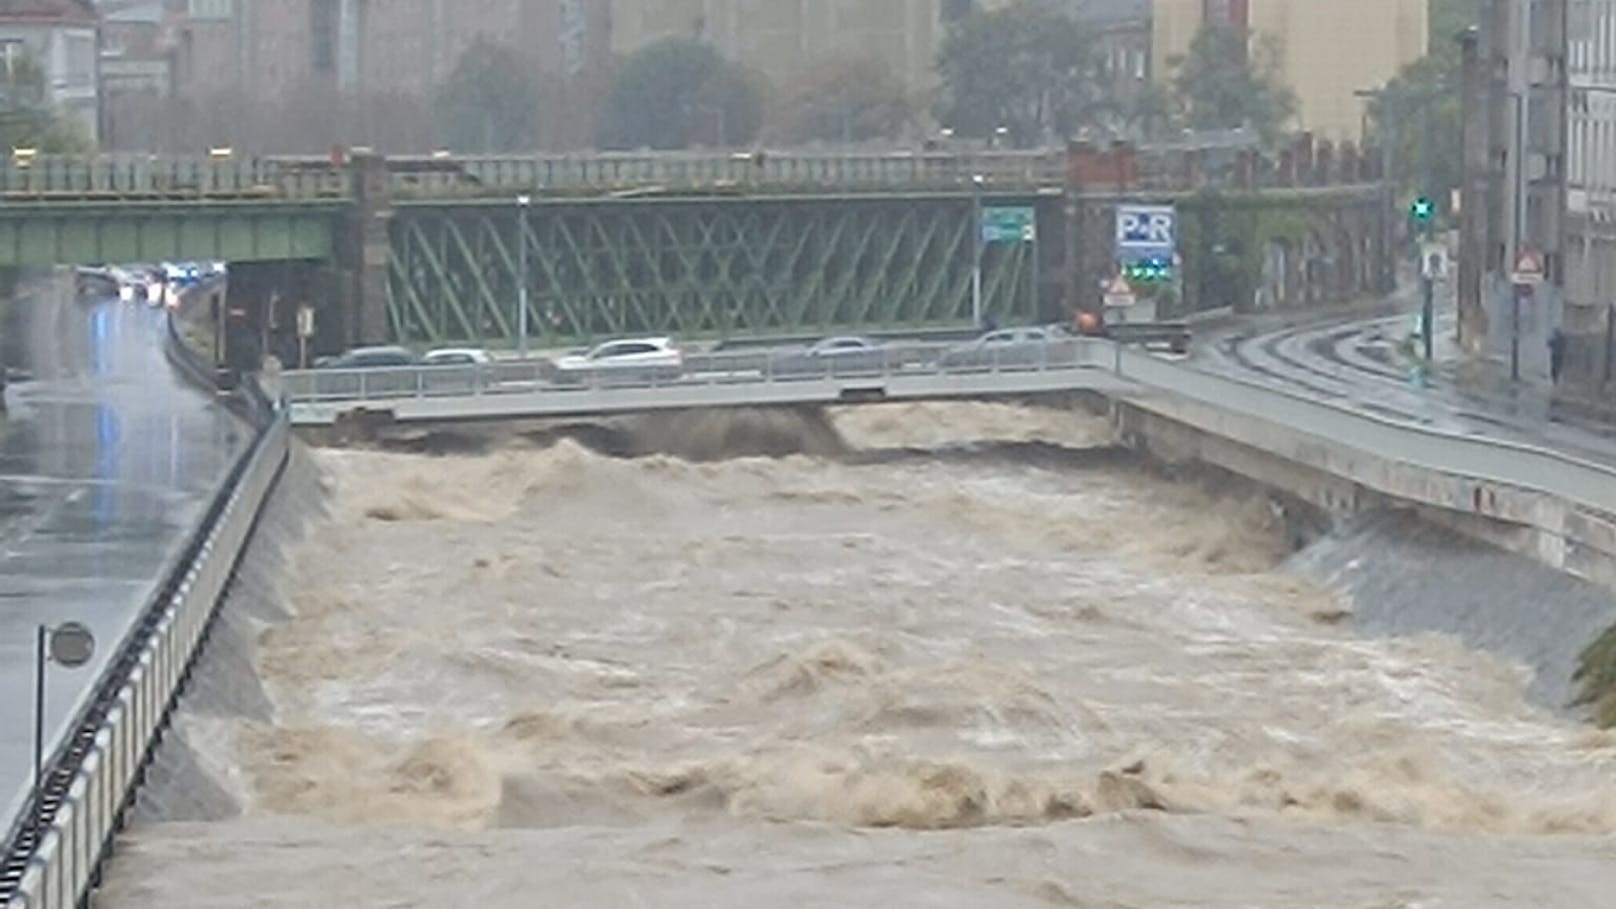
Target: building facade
784, 38
1590, 155
60, 37
1328, 50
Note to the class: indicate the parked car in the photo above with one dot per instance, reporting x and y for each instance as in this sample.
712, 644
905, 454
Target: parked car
626, 360
457, 356
370, 358
845, 355
1007, 348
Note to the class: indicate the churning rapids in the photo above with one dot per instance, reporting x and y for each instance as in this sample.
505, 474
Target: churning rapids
1016, 675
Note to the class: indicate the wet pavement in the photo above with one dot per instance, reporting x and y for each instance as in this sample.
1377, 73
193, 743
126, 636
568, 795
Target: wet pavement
1356, 360
107, 461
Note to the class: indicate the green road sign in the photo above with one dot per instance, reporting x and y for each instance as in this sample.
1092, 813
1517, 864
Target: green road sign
1009, 225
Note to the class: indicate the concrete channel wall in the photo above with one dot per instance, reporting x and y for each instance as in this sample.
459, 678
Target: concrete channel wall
1556, 509
93, 783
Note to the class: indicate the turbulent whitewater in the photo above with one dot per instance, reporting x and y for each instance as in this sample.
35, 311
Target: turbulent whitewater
978, 677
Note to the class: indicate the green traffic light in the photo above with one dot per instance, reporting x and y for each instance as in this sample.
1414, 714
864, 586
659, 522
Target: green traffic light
1422, 209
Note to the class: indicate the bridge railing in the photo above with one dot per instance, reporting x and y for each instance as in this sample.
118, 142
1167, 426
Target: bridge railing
738, 368
766, 172
155, 177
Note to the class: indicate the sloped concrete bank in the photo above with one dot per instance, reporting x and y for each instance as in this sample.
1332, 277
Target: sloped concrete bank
1515, 571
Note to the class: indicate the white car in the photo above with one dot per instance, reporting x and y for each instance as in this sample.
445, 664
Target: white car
631, 358
457, 356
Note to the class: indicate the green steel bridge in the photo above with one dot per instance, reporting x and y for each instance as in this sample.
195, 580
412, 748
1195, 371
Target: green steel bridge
437, 250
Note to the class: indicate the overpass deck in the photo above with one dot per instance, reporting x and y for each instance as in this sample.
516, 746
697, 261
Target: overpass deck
106, 465
536, 388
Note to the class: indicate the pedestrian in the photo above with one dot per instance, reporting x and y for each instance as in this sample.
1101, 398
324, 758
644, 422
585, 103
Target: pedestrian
1557, 352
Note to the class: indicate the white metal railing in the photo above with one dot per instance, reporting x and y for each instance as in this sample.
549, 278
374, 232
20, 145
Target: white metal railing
770, 367
64, 861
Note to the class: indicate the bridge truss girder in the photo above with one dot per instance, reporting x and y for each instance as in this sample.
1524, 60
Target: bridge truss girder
710, 267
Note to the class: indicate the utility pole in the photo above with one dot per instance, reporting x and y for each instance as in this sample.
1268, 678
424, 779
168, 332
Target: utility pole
521, 274
977, 182
1428, 280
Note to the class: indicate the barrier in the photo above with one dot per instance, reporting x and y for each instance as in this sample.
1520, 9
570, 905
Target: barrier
92, 779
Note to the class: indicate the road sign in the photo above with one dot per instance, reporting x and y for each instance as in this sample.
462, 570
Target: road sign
1118, 292
1017, 224
1146, 231
305, 321
1434, 261
1528, 269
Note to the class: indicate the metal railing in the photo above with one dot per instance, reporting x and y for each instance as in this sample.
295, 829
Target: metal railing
53, 856
115, 177
768, 172
737, 369
308, 179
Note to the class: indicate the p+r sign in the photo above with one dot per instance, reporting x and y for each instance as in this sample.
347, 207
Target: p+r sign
1146, 230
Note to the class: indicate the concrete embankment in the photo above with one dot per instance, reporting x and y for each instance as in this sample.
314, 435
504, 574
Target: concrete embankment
1514, 569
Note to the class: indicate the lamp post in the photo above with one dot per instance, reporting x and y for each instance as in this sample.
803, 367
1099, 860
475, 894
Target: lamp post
977, 183
69, 644
522, 203
1517, 229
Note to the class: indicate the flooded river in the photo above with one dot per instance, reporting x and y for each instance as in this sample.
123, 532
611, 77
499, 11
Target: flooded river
1023, 673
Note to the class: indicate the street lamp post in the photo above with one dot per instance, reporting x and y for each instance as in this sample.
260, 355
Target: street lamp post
69, 644
522, 203
1517, 164
977, 182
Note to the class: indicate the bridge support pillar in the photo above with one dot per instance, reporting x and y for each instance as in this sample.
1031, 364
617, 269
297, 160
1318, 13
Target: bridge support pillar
363, 252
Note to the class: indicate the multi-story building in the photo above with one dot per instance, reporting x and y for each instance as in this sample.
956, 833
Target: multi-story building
1328, 51
784, 38
60, 38
353, 71
1590, 283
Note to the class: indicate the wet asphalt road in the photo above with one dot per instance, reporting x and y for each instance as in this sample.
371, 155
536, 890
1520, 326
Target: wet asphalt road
106, 463
1353, 362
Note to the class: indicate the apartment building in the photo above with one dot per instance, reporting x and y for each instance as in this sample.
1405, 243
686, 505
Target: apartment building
783, 38
1590, 156
1328, 49
60, 37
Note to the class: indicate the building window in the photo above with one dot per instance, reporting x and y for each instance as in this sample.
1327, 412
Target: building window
323, 35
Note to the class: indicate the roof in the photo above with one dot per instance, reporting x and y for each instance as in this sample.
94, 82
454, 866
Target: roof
49, 11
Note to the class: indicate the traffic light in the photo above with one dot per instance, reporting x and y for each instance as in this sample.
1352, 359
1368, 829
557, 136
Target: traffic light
1422, 210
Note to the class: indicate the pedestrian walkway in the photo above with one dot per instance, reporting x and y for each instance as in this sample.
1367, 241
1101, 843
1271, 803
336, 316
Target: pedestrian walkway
107, 462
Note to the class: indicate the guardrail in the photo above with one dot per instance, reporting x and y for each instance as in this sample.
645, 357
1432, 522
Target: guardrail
54, 854
112, 177
731, 368
768, 172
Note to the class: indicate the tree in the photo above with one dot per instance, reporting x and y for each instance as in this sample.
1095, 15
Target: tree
27, 117
1026, 67
1429, 86
847, 99
1227, 81
490, 102
679, 92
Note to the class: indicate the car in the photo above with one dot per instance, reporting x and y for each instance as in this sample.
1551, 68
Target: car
843, 355
624, 360
1006, 347
371, 358
457, 356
